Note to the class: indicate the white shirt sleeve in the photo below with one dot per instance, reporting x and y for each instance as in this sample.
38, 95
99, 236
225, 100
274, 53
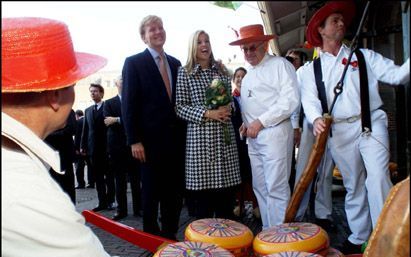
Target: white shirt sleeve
309, 93
385, 70
288, 98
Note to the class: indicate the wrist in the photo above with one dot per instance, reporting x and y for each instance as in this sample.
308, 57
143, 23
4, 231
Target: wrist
207, 114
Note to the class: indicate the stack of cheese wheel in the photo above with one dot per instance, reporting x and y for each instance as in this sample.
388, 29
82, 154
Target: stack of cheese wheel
293, 254
192, 249
230, 235
298, 237
332, 252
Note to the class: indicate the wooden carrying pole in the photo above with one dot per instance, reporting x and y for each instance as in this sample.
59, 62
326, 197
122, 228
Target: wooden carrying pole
309, 172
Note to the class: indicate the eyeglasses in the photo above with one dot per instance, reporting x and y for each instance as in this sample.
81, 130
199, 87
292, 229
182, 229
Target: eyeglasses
252, 48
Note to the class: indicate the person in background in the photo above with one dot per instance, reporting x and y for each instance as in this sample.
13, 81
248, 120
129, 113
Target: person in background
81, 159
212, 167
37, 217
62, 141
269, 95
297, 58
94, 144
358, 142
121, 162
154, 132
245, 190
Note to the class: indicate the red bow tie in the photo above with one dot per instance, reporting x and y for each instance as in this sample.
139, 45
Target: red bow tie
354, 64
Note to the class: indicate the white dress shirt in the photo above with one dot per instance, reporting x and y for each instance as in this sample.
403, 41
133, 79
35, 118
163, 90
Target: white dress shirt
38, 218
348, 103
269, 91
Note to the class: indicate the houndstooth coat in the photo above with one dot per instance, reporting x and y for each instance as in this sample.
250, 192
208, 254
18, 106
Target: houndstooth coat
210, 162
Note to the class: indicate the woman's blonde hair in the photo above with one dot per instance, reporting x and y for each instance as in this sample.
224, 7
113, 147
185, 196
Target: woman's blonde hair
192, 53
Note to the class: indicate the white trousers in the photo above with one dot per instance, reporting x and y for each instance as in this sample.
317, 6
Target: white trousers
270, 155
363, 163
323, 183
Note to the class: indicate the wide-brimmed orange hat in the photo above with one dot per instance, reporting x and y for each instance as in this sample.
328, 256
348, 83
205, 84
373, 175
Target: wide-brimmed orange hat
37, 54
345, 8
251, 33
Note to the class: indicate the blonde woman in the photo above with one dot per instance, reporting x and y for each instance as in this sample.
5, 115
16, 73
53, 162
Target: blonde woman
212, 167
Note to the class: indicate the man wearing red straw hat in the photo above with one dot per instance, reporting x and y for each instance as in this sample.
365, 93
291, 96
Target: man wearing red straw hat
358, 141
39, 71
269, 95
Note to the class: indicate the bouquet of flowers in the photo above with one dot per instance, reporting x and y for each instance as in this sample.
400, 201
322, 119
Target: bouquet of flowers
218, 94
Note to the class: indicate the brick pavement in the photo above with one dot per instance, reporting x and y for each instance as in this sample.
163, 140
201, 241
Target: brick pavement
87, 199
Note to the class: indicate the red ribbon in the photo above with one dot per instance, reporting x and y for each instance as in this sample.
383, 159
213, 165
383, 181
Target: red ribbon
236, 92
353, 63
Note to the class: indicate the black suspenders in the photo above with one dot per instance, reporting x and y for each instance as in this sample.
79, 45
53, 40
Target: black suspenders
320, 84
364, 94
365, 98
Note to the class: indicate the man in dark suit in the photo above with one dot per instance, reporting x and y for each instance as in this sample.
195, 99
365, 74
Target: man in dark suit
121, 162
81, 159
156, 135
62, 141
93, 142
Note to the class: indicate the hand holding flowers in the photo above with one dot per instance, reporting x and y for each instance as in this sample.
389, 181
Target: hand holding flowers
218, 97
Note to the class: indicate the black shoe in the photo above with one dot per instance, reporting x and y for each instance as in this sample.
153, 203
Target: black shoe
168, 235
90, 186
79, 187
119, 216
111, 206
349, 248
99, 208
138, 214
325, 224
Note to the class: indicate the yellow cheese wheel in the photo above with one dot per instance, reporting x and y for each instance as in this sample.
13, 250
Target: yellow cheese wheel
192, 249
228, 234
293, 254
332, 252
299, 237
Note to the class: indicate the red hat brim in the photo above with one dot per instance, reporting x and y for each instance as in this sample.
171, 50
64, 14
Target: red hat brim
345, 8
87, 64
38, 55
252, 39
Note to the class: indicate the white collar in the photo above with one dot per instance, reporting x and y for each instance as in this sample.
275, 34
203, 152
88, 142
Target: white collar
30, 142
344, 49
266, 56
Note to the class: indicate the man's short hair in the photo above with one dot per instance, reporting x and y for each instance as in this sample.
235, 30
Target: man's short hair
79, 113
147, 20
100, 87
303, 56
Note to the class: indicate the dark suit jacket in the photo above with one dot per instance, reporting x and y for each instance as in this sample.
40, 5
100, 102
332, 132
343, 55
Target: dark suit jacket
148, 114
62, 140
116, 137
94, 133
77, 135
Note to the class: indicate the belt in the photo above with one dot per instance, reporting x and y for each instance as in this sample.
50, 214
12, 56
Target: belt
348, 120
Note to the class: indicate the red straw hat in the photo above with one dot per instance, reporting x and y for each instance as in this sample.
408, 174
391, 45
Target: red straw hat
37, 55
252, 33
345, 8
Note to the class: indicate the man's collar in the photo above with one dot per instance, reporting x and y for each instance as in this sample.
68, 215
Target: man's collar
343, 48
266, 56
154, 52
29, 141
